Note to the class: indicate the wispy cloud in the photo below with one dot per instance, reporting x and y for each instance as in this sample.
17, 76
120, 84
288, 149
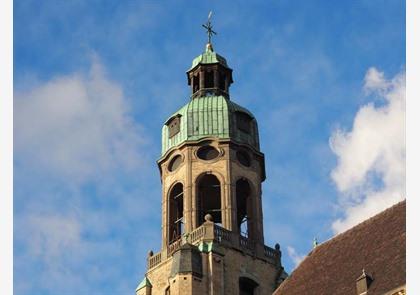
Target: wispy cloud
80, 161
296, 258
370, 173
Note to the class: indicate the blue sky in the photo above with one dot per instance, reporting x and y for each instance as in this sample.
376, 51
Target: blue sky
95, 81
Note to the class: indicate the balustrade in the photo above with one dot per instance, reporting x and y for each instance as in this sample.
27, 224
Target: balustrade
196, 234
222, 236
154, 260
174, 246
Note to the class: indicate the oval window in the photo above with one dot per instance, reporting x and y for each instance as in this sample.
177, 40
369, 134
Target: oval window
243, 158
175, 162
207, 153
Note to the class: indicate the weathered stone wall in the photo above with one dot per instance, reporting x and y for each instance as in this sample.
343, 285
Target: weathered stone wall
221, 269
228, 170
224, 264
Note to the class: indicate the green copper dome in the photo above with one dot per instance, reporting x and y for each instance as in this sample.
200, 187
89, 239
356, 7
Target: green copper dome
210, 116
208, 57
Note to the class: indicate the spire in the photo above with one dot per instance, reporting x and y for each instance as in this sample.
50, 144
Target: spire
208, 26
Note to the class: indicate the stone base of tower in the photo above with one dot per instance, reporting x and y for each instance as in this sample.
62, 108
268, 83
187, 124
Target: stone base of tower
212, 260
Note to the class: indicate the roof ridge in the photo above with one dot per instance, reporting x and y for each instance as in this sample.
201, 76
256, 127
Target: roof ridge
379, 214
369, 243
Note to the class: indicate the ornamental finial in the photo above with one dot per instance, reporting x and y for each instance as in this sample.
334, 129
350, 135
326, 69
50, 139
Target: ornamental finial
208, 26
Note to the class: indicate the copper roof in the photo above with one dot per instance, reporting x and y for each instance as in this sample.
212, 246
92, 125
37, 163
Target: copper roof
377, 245
209, 116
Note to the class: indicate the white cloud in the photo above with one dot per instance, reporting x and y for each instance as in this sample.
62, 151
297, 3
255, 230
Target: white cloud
72, 132
296, 258
76, 127
370, 173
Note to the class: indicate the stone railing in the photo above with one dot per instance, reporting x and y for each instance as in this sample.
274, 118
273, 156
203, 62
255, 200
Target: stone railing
246, 244
154, 260
196, 235
270, 252
222, 235
209, 231
174, 246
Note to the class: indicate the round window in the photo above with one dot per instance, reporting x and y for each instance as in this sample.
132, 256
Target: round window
207, 153
175, 162
243, 158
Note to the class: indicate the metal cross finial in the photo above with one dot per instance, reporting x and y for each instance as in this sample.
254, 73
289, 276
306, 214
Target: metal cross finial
209, 28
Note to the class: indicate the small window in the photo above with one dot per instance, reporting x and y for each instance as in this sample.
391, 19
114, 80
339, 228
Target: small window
243, 158
175, 163
244, 122
173, 126
207, 153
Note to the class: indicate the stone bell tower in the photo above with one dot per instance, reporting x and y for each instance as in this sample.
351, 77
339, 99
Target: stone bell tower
211, 171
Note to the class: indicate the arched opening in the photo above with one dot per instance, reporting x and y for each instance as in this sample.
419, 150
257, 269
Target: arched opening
209, 199
247, 286
222, 78
208, 79
176, 212
243, 207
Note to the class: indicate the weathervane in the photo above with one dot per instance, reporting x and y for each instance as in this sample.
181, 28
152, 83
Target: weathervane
209, 28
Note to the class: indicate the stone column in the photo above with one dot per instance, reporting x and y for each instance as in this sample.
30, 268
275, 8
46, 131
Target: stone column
227, 83
258, 224
188, 198
202, 81
164, 227
216, 77
228, 194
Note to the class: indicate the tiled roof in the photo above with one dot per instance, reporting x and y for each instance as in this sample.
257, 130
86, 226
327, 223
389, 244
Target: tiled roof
377, 245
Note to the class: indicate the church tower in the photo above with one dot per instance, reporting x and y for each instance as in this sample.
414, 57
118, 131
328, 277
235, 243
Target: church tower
211, 171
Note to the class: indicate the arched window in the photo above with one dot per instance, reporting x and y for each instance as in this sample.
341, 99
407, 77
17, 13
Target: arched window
247, 286
243, 206
176, 212
209, 198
